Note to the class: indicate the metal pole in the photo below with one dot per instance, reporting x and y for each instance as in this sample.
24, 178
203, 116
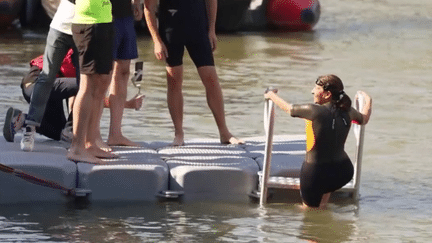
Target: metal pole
268, 127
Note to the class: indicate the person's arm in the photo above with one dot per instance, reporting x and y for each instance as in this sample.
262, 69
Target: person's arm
150, 8
367, 108
137, 10
278, 101
211, 6
134, 103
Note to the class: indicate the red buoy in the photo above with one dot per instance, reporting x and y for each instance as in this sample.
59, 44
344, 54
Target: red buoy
293, 15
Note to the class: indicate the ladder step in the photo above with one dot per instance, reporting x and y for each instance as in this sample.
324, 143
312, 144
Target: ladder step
294, 183
283, 182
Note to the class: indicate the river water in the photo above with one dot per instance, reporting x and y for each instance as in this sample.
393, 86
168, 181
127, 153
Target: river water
379, 46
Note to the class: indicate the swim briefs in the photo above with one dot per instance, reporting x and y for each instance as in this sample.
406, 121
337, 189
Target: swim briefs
184, 24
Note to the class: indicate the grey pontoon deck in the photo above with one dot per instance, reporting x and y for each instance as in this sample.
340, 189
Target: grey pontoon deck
202, 169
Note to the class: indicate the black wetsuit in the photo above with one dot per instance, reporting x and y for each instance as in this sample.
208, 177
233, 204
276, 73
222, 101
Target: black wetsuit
327, 167
184, 23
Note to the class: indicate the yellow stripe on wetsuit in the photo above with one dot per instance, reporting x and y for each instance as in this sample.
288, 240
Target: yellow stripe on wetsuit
310, 137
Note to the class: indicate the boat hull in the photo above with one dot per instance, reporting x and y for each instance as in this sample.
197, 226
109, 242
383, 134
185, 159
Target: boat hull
9, 10
230, 14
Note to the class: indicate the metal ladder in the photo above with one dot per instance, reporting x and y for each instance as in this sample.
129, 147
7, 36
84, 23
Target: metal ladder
267, 181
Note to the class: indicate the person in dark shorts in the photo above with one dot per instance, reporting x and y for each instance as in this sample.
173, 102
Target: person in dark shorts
125, 12
327, 166
190, 24
93, 33
56, 123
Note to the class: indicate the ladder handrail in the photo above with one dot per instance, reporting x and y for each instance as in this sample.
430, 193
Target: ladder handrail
359, 131
268, 127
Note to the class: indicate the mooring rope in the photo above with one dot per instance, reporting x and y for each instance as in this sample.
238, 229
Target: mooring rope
37, 180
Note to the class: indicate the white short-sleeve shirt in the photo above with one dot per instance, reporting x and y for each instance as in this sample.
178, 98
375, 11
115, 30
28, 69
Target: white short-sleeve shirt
62, 20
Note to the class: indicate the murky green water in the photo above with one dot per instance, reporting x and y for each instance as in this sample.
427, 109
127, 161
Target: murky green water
382, 47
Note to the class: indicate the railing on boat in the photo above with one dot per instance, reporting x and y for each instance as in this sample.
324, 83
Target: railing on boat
266, 181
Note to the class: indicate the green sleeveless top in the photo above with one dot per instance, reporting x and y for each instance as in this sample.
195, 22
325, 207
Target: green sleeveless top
92, 12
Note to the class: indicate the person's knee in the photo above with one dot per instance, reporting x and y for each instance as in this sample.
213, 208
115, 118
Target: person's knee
42, 79
175, 78
122, 69
99, 85
208, 75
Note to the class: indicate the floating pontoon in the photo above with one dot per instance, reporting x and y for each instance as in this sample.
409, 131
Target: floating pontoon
202, 169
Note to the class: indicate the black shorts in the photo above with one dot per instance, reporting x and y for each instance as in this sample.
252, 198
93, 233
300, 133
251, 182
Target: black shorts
319, 179
95, 43
198, 47
184, 24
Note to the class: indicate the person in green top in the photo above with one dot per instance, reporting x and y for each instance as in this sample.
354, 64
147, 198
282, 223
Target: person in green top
93, 11
93, 33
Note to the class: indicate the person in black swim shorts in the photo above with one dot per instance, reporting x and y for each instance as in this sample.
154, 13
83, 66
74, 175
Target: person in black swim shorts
327, 166
93, 34
190, 24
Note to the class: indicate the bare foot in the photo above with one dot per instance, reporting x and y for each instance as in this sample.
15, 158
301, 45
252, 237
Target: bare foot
306, 208
178, 141
99, 153
84, 157
232, 140
102, 145
121, 141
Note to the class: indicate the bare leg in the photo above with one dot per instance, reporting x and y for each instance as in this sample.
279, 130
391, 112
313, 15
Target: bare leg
117, 99
82, 110
94, 124
324, 200
175, 102
98, 148
323, 204
99, 141
215, 102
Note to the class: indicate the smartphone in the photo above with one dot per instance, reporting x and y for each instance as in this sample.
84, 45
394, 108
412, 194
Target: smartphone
138, 70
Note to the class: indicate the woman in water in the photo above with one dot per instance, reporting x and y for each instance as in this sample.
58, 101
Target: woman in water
327, 166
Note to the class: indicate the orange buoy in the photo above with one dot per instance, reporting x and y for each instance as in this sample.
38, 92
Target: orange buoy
293, 15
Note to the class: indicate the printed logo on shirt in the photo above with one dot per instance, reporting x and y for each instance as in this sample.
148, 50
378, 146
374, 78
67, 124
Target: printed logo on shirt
89, 13
172, 11
105, 3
